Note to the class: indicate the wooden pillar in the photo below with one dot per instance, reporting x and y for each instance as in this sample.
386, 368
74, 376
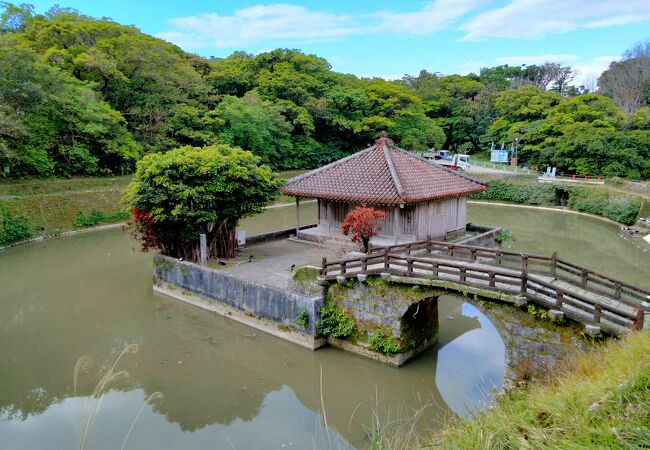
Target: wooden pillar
297, 215
328, 206
398, 223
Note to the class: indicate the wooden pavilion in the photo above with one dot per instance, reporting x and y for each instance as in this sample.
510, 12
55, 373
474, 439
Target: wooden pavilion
421, 199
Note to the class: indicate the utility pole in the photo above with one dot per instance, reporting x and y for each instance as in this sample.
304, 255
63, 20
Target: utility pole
513, 159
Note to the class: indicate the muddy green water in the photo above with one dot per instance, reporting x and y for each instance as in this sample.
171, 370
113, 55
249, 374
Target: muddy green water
225, 385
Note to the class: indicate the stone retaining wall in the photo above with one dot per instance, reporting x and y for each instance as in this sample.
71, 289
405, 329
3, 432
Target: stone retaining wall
484, 238
253, 299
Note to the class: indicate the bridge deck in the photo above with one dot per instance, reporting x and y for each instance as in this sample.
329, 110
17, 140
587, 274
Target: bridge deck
581, 294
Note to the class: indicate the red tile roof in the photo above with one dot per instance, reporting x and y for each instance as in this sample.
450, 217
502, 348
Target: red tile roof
382, 174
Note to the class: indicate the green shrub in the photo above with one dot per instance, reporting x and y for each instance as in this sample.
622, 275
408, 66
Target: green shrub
529, 194
644, 211
538, 312
383, 341
13, 226
620, 208
305, 275
97, 217
334, 322
504, 236
302, 319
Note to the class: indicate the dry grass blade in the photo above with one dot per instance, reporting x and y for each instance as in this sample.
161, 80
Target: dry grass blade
83, 363
153, 397
109, 377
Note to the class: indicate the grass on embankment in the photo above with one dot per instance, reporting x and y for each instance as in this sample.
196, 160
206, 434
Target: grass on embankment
54, 213
10, 188
55, 205
615, 205
603, 401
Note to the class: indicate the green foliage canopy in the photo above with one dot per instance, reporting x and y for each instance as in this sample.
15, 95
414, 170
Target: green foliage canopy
80, 95
53, 124
190, 190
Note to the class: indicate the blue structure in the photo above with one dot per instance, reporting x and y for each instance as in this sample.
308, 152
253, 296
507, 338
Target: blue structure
499, 156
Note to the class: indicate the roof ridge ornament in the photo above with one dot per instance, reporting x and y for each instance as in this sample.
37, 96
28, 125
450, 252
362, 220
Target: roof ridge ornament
383, 140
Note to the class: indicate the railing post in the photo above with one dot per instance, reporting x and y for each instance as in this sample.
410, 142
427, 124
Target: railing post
369, 248
409, 267
428, 244
559, 298
323, 269
640, 316
473, 251
554, 264
583, 277
463, 274
491, 279
364, 263
524, 281
343, 267
597, 310
385, 258
451, 251
434, 268
498, 257
617, 290
524, 262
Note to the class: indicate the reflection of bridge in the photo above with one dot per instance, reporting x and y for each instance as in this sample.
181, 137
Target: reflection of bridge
579, 293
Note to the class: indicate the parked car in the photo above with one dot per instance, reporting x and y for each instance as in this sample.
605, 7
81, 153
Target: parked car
445, 158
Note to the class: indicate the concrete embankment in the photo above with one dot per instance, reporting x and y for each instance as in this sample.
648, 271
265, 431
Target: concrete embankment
284, 314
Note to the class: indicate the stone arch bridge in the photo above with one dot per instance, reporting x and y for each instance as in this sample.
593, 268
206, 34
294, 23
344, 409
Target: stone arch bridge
600, 302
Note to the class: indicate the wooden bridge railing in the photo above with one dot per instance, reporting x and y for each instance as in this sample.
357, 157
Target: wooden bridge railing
560, 269
496, 272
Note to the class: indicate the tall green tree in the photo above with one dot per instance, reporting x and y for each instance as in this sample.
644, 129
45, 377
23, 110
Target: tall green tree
257, 125
53, 124
177, 195
146, 79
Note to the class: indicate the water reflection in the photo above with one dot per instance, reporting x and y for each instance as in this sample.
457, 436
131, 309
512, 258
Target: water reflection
48, 430
470, 366
223, 382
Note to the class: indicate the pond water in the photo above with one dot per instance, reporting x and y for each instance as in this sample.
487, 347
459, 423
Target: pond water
225, 385
593, 243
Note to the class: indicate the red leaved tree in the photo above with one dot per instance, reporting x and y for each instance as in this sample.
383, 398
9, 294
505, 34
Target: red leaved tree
141, 227
363, 223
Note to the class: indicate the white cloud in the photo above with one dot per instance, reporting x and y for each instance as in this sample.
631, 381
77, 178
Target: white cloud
530, 19
527, 19
587, 72
435, 16
258, 24
268, 23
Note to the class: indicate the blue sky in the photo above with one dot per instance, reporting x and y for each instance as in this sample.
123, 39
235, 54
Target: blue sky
389, 38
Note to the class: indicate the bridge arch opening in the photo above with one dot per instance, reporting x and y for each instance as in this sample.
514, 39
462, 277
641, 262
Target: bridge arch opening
419, 324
